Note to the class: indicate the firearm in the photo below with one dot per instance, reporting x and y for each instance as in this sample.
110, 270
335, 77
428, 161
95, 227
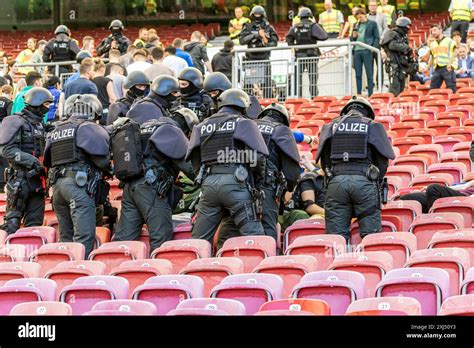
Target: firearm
201, 176
38, 170
384, 191
192, 206
281, 186
258, 198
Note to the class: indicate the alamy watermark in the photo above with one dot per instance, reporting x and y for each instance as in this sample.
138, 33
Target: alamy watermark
247, 156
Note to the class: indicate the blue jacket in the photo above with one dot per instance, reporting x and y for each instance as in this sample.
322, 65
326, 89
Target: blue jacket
372, 35
186, 56
469, 65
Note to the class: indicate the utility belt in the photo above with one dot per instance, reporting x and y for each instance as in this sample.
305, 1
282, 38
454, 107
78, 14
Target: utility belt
351, 168
223, 168
162, 182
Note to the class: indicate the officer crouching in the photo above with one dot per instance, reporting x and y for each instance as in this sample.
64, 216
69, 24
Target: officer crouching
354, 152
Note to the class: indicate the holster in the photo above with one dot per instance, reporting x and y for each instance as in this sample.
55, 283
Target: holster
15, 195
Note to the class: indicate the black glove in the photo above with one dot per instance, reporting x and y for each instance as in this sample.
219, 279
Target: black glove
39, 169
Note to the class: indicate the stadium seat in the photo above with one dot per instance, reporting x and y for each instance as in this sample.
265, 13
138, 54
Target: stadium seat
464, 146
264, 102
32, 237
406, 210
462, 305
166, 291
402, 128
427, 134
420, 161
426, 225
291, 268
18, 270
337, 288
386, 121
327, 100
412, 94
399, 245
406, 143
428, 285
462, 157
384, 306
461, 205
433, 150
25, 290
3, 236
250, 249
394, 184
85, 292
112, 254
208, 305
448, 141
457, 170
444, 92
297, 102
385, 97
49, 255
252, 289
425, 180
108, 313
134, 306
404, 172
430, 111
466, 132
457, 116
181, 252
43, 308
138, 271
371, 264
182, 231
196, 312
213, 269
463, 239
102, 236
306, 227
467, 286
314, 125
315, 307
441, 126
387, 226
283, 313
454, 260
440, 105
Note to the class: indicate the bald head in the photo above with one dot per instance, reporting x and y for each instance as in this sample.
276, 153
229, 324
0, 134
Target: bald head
328, 5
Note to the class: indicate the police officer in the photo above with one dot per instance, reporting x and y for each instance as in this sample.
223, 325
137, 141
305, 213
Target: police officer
164, 95
399, 62
215, 83
22, 138
228, 150
354, 152
256, 34
282, 168
192, 95
61, 49
306, 32
77, 153
138, 85
116, 40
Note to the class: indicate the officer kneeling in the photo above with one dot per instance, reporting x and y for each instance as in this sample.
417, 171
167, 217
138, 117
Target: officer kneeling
354, 152
77, 151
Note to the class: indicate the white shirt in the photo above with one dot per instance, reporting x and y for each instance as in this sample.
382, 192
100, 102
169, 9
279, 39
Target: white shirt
175, 63
138, 66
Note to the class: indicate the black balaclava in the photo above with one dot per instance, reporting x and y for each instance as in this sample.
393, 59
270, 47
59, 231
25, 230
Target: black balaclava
190, 90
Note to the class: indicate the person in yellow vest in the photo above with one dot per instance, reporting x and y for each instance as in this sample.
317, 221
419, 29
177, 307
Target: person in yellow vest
388, 11
349, 25
443, 58
331, 20
461, 13
236, 24
143, 36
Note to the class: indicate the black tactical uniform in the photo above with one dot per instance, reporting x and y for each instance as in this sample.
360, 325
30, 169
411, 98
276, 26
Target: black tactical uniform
193, 97
61, 49
22, 138
354, 152
218, 82
5, 110
77, 153
122, 106
228, 149
116, 26
399, 64
258, 73
282, 168
163, 96
306, 32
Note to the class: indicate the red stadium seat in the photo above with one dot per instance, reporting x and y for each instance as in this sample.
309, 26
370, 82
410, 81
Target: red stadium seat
461, 205
420, 161
428, 179
406, 210
394, 184
445, 92
462, 305
411, 94
430, 111
181, 252
448, 141
43, 308
441, 126
102, 236
460, 147
3, 237
404, 144
427, 285
32, 237
108, 313
209, 306
456, 116
385, 97
466, 109
426, 225
267, 101
387, 226
427, 134
433, 150
133, 306
283, 313
18, 270
49, 255
463, 239
382, 306
457, 170
315, 307
297, 102
455, 98
112, 254
467, 286
314, 125
466, 132
306, 227
386, 121
402, 128
12, 253
405, 173
463, 157
440, 105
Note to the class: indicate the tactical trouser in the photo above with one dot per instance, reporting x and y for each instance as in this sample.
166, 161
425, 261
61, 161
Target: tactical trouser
397, 80
348, 196
25, 200
432, 193
441, 74
311, 68
142, 205
220, 193
76, 212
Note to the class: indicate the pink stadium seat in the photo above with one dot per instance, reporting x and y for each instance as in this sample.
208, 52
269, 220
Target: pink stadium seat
421, 162
457, 116
441, 126
291, 268
167, 291
3, 236
420, 119
461, 205
426, 225
18, 270
454, 260
406, 210
404, 172
222, 306
182, 231
462, 130
138, 271
85, 292
306, 227
32, 237
399, 245
41, 309
462, 157
463, 239
337, 288
49, 255
283, 313
213, 269
467, 286
181, 252
356, 239
108, 313
429, 179
448, 141
315, 307
386, 121
385, 97
250, 249
428, 135
385, 306
464, 146
196, 312
457, 170
462, 305
428, 285
406, 143
433, 150
402, 128
112, 254
134, 306
252, 289
394, 184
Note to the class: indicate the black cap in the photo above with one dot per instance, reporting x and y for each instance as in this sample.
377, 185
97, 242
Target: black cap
216, 81
38, 96
193, 76
165, 85
234, 97
136, 78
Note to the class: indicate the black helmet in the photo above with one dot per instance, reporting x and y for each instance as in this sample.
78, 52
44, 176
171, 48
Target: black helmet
116, 24
62, 29
38, 96
81, 55
275, 107
165, 85
258, 10
136, 78
189, 116
234, 97
403, 22
359, 104
193, 76
305, 12
216, 81
83, 105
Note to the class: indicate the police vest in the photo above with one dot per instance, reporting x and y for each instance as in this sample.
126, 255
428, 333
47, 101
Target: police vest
387, 11
460, 11
317, 183
442, 52
266, 128
330, 21
125, 105
61, 50
303, 33
233, 22
63, 143
147, 129
197, 103
32, 137
350, 139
